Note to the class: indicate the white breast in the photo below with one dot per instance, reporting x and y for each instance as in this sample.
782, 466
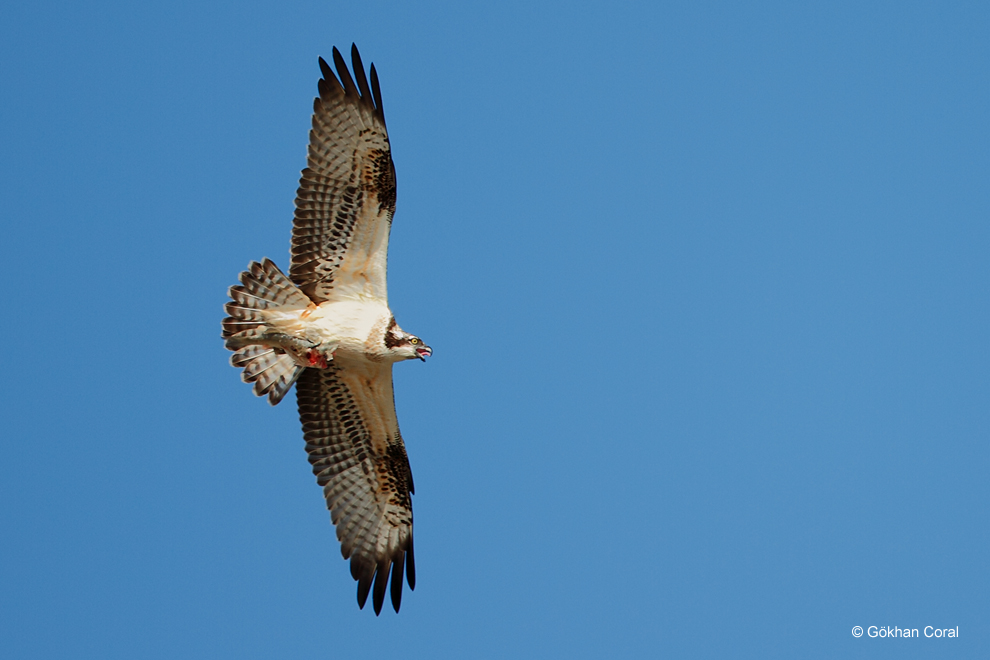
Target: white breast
349, 322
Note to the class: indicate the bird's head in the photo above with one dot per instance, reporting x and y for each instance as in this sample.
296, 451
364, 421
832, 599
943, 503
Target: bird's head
401, 345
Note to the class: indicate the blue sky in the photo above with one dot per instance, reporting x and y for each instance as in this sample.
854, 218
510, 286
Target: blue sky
706, 285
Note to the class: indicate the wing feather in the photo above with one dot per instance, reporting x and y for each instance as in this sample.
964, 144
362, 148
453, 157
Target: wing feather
346, 196
358, 457
362, 81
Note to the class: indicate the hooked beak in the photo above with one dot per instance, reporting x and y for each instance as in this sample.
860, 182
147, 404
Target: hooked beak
424, 351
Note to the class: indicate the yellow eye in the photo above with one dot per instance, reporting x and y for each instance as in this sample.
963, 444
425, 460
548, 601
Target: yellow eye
413, 341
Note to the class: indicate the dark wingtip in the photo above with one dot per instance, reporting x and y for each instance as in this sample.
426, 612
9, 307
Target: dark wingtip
363, 589
356, 62
411, 566
360, 77
328, 85
381, 584
397, 582
343, 82
376, 91
343, 73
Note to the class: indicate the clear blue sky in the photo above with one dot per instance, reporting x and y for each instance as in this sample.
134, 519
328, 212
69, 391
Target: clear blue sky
707, 286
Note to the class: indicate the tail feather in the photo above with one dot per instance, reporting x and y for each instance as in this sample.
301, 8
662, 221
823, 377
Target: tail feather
272, 372
242, 357
263, 288
255, 334
241, 318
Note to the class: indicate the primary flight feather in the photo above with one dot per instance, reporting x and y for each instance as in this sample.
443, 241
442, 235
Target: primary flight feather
327, 328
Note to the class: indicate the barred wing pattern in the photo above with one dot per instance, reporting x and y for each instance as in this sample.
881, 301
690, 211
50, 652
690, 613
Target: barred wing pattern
352, 438
346, 195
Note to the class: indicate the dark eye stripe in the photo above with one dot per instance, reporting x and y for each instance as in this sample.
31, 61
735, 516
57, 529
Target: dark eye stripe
391, 340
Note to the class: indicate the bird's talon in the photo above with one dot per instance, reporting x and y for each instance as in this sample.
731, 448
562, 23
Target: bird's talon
317, 359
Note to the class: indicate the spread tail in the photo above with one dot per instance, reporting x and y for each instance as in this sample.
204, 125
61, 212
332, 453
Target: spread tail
263, 288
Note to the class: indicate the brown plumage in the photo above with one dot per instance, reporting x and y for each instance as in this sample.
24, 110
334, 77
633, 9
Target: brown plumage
328, 329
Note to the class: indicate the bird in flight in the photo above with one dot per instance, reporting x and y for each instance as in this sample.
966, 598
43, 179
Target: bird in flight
327, 328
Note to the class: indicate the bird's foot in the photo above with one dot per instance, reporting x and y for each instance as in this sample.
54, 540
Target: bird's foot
305, 352
317, 359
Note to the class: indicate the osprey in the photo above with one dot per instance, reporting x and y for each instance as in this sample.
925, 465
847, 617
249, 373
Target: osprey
327, 328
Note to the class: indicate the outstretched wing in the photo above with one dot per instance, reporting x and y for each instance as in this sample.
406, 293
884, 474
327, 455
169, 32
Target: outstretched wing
353, 441
346, 195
